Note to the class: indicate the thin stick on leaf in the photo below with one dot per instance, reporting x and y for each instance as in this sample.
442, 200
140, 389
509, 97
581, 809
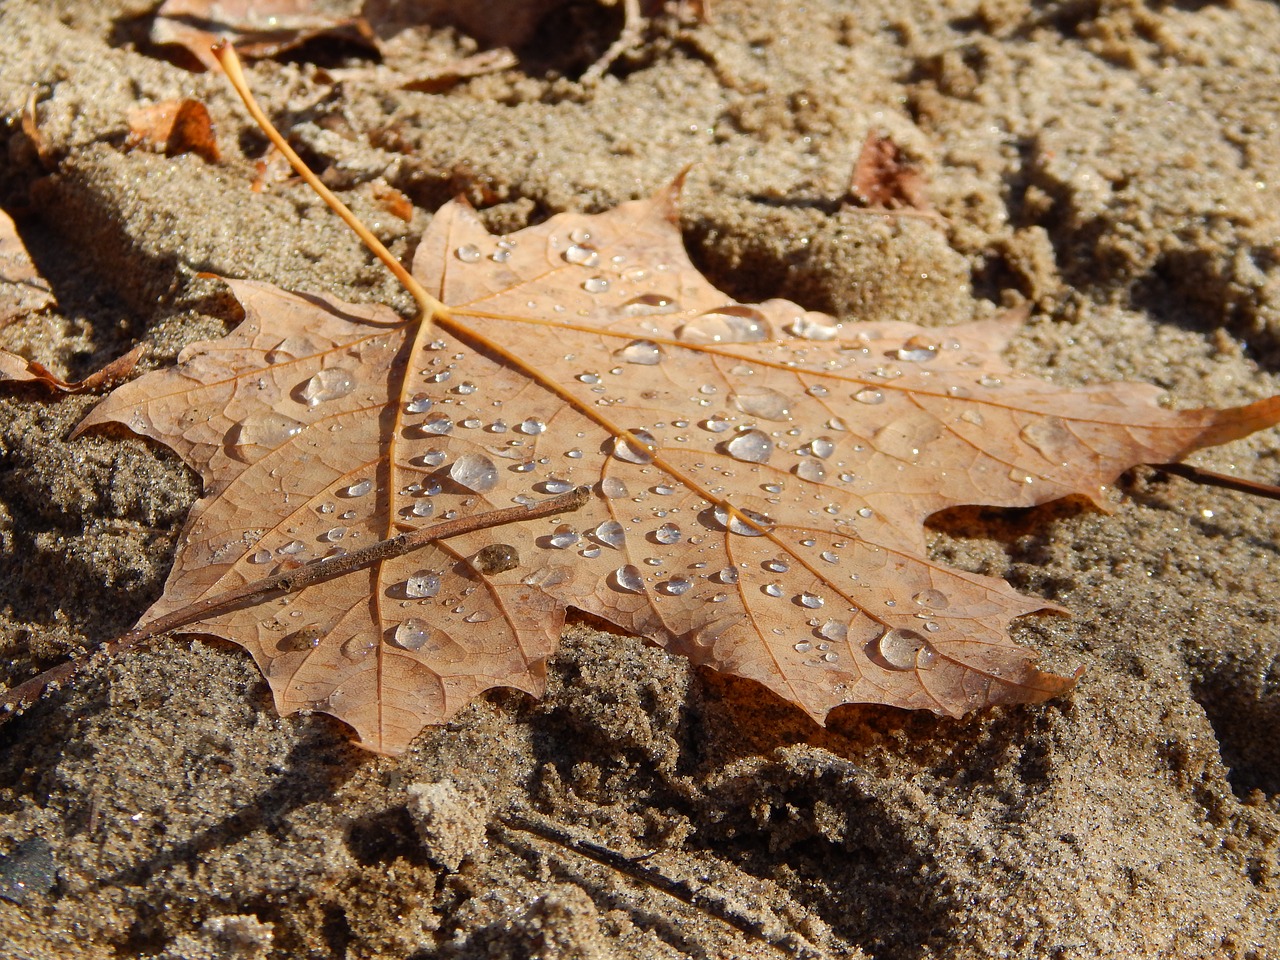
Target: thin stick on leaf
290, 581
1209, 478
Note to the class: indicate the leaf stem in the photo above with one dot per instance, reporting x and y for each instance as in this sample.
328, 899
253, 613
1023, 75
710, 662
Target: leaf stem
28, 692
428, 305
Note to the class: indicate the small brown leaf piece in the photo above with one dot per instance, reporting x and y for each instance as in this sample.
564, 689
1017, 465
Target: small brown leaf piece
22, 290
882, 177
14, 367
258, 28
173, 127
761, 474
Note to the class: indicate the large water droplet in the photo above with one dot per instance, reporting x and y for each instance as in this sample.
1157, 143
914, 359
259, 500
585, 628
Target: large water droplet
413, 634
267, 430
811, 600
636, 448
867, 395
728, 324
611, 534
728, 575
496, 558
595, 284
613, 488
419, 404
834, 630
901, 648
563, 537
934, 599
918, 349
326, 385
628, 579
810, 470
468, 253
422, 586
292, 548
357, 647
644, 352
475, 472
745, 523
667, 533
436, 427
1051, 438
763, 402
750, 446
531, 427
675, 587
822, 447
647, 304
358, 489
582, 255
813, 326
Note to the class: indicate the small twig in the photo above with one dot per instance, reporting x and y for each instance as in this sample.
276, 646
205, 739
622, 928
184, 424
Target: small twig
632, 26
791, 943
1210, 479
288, 581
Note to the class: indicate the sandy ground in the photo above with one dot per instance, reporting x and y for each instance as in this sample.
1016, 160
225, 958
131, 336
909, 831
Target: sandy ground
1115, 164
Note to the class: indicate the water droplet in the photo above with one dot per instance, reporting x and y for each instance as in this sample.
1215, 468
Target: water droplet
331, 384
563, 537
972, 416
810, 470
466, 388
716, 424
595, 284
467, 253
728, 324
1051, 437
496, 558
867, 395
804, 646
822, 447
423, 508
745, 523
648, 304
638, 447
763, 402
667, 533
260, 556
729, 575
958, 392
810, 600
926, 657
581, 255
776, 566
475, 472
326, 507
628, 578
531, 427
419, 404
357, 647
989, 381
932, 598
432, 458
866, 513
422, 586
901, 648
773, 589
610, 533
817, 390
644, 352
589, 377
268, 430
675, 587
413, 634
834, 630
334, 534
613, 489
829, 556
813, 326
436, 427
554, 485
358, 489
918, 349
750, 446
478, 616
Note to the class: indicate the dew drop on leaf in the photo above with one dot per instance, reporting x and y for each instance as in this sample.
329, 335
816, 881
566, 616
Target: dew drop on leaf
763, 402
419, 404
422, 508
750, 446
932, 598
822, 447
413, 634
531, 427
728, 324
1050, 437
773, 589
647, 304
628, 578
810, 470
468, 253
563, 537
834, 630
475, 472
729, 575
813, 326
868, 395
554, 485
595, 284
358, 489
581, 255
422, 586
667, 533
267, 430
628, 449
643, 352
613, 488
810, 600
675, 587
745, 523
331, 384
436, 427
496, 558
357, 647
611, 534
900, 648
918, 349
292, 548
260, 556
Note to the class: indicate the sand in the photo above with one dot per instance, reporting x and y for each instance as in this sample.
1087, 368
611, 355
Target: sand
1115, 165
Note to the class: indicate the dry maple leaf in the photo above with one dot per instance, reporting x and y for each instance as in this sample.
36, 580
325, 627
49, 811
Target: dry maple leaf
761, 475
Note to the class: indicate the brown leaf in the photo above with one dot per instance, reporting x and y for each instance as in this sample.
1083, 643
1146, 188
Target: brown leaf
173, 127
883, 178
22, 290
258, 28
14, 367
761, 476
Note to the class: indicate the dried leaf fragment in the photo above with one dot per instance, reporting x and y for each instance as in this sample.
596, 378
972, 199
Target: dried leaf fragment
761, 477
883, 178
22, 290
174, 127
